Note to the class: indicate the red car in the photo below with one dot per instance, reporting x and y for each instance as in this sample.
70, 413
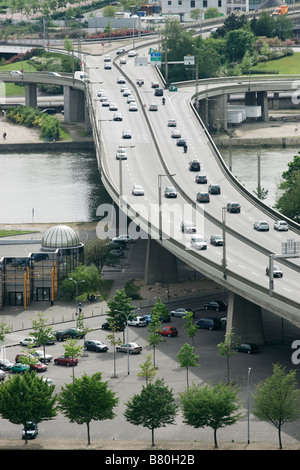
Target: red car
66, 361
169, 331
37, 366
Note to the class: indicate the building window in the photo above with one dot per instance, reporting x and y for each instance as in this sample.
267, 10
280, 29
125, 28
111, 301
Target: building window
204, 3
179, 2
192, 3
169, 2
220, 3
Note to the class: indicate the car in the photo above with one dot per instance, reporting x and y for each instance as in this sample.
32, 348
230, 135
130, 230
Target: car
170, 192
159, 92
5, 364
201, 179
66, 361
69, 333
30, 430
54, 74
132, 53
103, 97
19, 368
126, 134
19, 356
95, 345
16, 72
217, 305
121, 80
187, 226
49, 382
176, 134
107, 66
107, 58
118, 117
2, 374
38, 367
214, 189
113, 107
41, 356
132, 348
122, 88
216, 240
137, 190
249, 348
194, 165
224, 321
50, 340
29, 341
153, 107
277, 272
123, 61
168, 331
199, 243
105, 103
233, 207
123, 238
180, 312
126, 92
120, 50
164, 319
181, 142
133, 106
140, 81
137, 321
121, 154
203, 197
154, 85
130, 99
171, 122
281, 225
101, 92
107, 326
208, 323
261, 225
118, 252
49, 111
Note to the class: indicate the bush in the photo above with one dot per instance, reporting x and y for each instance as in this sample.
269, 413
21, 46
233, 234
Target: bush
32, 117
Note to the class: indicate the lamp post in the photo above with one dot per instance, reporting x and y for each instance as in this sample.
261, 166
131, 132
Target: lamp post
224, 264
76, 292
127, 335
159, 204
248, 402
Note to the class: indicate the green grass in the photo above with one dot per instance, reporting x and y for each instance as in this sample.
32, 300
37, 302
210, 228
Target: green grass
12, 233
12, 89
285, 65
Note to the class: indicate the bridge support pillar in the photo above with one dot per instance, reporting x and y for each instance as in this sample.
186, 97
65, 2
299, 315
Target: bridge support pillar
245, 320
74, 105
161, 265
30, 95
262, 101
218, 112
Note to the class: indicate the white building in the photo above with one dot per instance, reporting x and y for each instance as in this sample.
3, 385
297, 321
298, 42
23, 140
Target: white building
183, 8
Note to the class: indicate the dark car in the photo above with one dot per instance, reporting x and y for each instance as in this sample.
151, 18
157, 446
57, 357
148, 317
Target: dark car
233, 207
159, 92
201, 179
69, 333
203, 197
168, 331
209, 323
181, 142
218, 306
248, 348
170, 192
30, 430
216, 240
214, 189
49, 111
5, 364
106, 326
93, 345
194, 165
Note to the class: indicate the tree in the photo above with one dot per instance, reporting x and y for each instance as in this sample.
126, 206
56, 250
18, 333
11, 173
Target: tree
119, 308
288, 203
189, 326
277, 400
154, 327
226, 349
160, 311
153, 408
215, 407
113, 341
41, 331
187, 359
4, 330
98, 252
25, 398
148, 371
87, 399
72, 350
88, 274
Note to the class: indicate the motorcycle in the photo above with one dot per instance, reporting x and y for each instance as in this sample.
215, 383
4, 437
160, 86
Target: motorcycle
163, 101
185, 148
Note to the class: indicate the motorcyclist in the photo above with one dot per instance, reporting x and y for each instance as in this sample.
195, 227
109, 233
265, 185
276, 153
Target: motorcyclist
163, 101
185, 148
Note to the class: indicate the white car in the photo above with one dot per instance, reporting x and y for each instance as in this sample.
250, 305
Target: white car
42, 357
153, 107
199, 243
103, 97
176, 134
54, 74
2, 374
133, 106
123, 61
118, 117
16, 72
130, 99
172, 123
126, 134
137, 190
105, 103
126, 92
121, 154
281, 225
132, 53
101, 92
107, 66
113, 107
107, 58
121, 80
137, 321
29, 341
188, 227
120, 50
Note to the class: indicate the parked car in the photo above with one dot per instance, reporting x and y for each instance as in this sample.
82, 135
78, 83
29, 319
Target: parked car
117, 252
164, 319
203, 197
68, 333
5, 364
168, 331
209, 323
248, 348
153, 107
214, 189
66, 361
261, 225
233, 207
137, 190
132, 348
19, 368
123, 238
29, 341
181, 312
107, 326
199, 243
170, 192
217, 305
94, 345
277, 272
30, 430
42, 357
194, 165
137, 321
2, 374
188, 227
281, 225
216, 240
201, 179
39, 367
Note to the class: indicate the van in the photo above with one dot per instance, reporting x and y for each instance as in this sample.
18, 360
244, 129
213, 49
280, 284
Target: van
209, 323
82, 76
159, 92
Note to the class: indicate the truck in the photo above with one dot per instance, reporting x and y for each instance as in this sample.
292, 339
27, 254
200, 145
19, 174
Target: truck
82, 76
281, 10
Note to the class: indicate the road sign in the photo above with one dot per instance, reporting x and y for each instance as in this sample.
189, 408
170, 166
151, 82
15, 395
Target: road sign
141, 60
155, 58
189, 60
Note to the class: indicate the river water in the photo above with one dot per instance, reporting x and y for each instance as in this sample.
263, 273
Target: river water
50, 187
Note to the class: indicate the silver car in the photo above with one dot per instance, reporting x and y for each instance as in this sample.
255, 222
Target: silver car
138, 190
132, 348
188, 227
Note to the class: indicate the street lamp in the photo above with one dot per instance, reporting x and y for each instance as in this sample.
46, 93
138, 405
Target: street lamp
127, 335
76, 293
159, 204
224, 264
248, 401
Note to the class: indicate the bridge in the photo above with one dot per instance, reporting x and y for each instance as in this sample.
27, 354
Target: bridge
154, 161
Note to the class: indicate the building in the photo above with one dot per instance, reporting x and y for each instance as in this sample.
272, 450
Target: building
38, 274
